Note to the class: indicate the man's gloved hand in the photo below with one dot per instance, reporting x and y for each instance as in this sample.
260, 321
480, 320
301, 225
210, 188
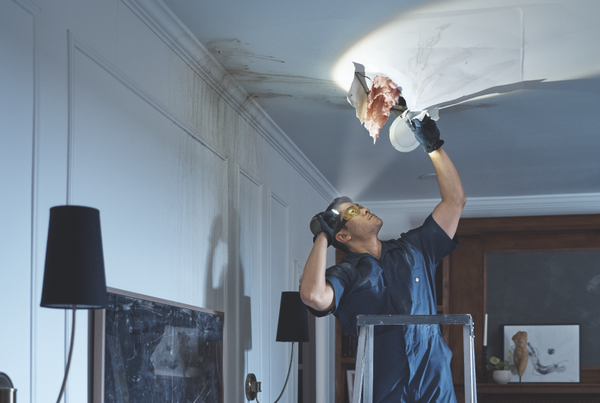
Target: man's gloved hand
426, 132
323, 222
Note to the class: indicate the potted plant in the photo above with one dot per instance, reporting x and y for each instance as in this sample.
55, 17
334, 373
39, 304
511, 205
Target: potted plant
502, 369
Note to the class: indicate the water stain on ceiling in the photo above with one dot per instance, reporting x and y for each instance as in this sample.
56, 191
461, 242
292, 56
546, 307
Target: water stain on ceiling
232, 53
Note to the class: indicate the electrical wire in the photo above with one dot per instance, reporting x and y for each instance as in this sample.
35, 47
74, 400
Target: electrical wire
286, 378
64, 383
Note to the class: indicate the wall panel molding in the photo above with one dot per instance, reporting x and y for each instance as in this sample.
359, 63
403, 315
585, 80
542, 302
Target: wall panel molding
19, 161
76, 44
280, 274
157, 16
284, 233
249, 176
253, 316
28, 6
279, 199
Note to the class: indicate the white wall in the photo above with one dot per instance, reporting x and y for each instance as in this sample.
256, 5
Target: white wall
202, 199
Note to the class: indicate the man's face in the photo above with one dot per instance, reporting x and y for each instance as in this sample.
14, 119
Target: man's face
361, 220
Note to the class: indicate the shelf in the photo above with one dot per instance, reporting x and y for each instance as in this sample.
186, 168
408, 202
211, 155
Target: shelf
539, 388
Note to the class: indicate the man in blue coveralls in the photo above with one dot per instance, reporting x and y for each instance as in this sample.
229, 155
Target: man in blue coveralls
411, 363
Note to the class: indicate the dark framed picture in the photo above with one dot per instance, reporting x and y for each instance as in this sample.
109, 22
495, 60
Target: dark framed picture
546, 353
149, 349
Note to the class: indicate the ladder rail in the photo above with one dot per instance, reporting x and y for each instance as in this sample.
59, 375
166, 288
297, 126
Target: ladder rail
364, 362
469, 357
360, 357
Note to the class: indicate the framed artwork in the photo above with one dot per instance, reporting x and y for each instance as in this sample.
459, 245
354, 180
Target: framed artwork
551, 351
350, 378
148, 349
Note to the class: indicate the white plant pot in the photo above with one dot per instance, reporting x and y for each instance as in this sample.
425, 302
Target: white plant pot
502, 375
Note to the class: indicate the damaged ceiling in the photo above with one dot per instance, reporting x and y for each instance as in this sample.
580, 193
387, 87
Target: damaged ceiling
517, 84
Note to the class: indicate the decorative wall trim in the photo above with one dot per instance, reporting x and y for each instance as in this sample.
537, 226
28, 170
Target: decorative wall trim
249, 176
279, 200
159, 18
75, 43
28, 6
70, 79
244, 204
31, 388
286, 231
583, 203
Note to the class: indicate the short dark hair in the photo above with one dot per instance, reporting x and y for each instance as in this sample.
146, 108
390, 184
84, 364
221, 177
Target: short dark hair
335, 205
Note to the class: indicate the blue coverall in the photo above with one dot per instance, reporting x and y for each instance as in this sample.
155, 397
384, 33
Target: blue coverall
411, 363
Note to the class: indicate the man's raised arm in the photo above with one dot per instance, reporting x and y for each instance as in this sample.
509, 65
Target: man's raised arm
315, 291
448, 211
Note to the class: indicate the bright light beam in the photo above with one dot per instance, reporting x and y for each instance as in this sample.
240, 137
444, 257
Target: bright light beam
448, 49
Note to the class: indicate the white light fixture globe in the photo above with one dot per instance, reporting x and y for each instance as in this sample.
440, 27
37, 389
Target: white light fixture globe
401, 137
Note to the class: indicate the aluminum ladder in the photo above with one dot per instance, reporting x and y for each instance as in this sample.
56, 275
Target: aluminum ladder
364, 354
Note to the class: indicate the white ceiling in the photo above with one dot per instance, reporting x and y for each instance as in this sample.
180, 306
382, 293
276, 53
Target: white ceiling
517, 83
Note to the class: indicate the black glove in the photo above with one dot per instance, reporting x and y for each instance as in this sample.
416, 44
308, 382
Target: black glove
323, 222
426, 133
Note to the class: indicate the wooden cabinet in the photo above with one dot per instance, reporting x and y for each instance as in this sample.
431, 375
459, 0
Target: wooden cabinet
468, 288
343, 364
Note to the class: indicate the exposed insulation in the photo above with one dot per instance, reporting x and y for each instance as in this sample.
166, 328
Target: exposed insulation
384, 94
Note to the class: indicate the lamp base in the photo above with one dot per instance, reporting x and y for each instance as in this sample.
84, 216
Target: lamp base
252, 387
8, 395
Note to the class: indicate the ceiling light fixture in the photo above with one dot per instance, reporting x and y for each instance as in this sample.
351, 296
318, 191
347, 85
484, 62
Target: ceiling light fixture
401, 137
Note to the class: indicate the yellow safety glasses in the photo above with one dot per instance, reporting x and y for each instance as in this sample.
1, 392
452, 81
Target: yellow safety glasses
352, 211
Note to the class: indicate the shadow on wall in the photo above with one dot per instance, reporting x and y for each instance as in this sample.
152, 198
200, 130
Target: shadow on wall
237, 307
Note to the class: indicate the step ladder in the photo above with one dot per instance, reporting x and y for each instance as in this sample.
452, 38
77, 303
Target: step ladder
364, 354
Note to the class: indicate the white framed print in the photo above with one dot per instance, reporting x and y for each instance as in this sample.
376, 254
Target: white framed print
546, 353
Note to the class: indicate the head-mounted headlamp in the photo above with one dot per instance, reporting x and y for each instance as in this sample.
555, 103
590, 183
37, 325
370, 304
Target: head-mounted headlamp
350, 212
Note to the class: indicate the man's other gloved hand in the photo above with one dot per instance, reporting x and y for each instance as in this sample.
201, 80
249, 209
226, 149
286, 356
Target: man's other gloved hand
323, 222
426, 132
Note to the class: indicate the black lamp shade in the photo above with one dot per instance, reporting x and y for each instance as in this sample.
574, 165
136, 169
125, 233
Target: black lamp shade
74, 270
293, 320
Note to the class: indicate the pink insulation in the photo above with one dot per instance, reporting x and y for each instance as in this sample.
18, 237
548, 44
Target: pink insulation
384, 94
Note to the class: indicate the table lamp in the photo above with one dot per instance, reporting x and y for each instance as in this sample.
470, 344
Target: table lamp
74, 270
